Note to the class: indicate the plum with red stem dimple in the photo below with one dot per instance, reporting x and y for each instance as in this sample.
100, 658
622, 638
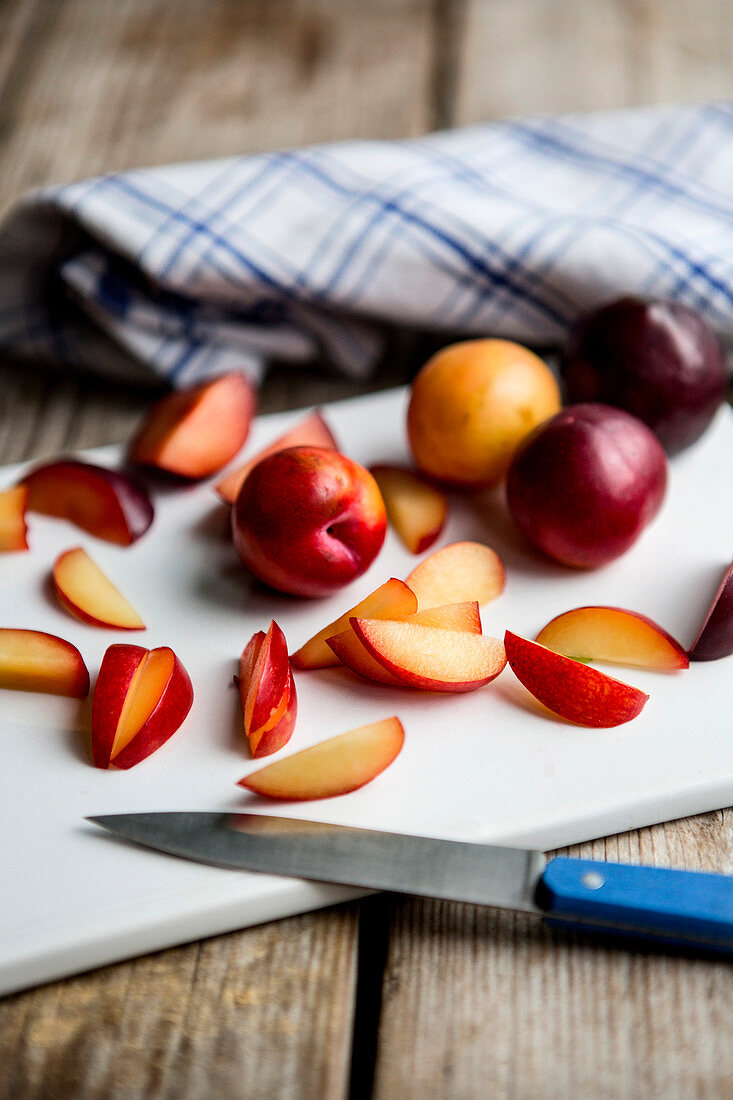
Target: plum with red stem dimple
308, 521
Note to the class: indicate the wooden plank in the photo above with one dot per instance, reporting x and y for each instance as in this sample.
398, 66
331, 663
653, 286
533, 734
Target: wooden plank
479, 1003
260, 1014
124, 83
543, 56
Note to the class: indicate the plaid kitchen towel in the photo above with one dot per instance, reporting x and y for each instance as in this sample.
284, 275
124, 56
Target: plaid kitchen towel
510, 229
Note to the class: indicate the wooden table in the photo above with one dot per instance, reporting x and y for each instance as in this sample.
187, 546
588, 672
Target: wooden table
390, 998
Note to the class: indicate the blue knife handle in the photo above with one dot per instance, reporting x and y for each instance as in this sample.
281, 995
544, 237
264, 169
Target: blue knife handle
683, 908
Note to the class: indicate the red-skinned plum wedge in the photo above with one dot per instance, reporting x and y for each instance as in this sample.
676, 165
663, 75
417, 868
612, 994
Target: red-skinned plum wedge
392, 600
308, 521
615, 635
13, 530
194, 432
715, 638
572, 690
84, 590
31, 660
312, 431
267, 691
351, 652
331, 768
456, 573
416, 509
102, 502
431, 658
141, 697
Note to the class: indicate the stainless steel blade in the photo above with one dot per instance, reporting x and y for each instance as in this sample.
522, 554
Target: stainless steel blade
483, 874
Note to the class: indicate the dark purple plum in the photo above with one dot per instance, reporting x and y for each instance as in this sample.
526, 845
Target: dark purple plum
715, 638
657, 359
585, 483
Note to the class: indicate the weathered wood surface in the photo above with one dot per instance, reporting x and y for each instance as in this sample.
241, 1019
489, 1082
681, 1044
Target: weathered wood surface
452, 1001
542, 56
496, 1005
261, 1014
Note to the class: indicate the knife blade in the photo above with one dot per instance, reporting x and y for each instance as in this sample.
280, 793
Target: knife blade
670, 907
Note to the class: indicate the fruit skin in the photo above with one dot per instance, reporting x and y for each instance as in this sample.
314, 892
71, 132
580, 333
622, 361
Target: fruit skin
70, 571
572, 690
312, 431
391, 600
194, 432
715, 637
267, 691
308, 521
31, 660
13, 529
102, 502
334, 767
657, 359
270, 738
613, 634
116, 674
472, 404
586, 483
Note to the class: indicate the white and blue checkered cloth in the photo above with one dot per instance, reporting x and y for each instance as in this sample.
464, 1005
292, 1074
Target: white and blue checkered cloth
509, 229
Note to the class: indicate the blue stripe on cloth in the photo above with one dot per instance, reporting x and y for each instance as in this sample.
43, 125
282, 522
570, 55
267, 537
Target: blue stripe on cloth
220, 211
561, 145
474, 261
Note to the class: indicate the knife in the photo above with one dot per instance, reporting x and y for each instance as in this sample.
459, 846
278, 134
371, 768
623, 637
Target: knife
666, 907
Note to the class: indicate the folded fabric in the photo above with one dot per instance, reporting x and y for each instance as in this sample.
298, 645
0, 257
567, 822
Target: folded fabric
510, 229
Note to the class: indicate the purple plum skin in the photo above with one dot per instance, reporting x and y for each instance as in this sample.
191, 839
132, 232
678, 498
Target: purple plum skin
657, 359
715, 639
585, 483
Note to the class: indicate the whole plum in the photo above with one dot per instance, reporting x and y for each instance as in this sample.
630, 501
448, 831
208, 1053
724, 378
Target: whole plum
657, 359
308, 520
584, 485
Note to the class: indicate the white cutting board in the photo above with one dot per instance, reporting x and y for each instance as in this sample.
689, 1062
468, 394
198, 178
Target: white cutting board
486, 765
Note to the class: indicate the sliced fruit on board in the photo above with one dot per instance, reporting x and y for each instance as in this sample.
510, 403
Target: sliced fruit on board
194, 432
84, 590
13, 530
31, 660
312, 431
416, 509
458, 572
391, 600
267, 691
141, 698
333, 767
432, 658
450, 616
615, 635
572, 690
715, 637
102, 502
351, 652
